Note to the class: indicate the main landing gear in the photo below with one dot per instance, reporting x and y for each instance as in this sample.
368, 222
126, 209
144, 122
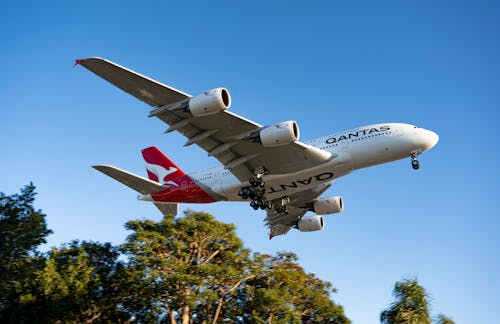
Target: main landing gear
414, 162
282, 207
256, 193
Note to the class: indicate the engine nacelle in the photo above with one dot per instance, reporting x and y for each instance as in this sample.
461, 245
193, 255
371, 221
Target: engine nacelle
280, 134
210, 102
310, 224
330, 205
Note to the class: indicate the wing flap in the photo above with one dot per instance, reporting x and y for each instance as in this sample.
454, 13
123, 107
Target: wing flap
281, 223
150, 91
139, 184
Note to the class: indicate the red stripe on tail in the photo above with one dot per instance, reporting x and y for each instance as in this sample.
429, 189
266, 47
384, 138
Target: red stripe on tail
180, 187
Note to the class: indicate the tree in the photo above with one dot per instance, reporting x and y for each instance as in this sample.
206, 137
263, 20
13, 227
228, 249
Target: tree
185, 267
410, 306
80, 282
190, 269
282, 292
195, 269
442, 319
22, 230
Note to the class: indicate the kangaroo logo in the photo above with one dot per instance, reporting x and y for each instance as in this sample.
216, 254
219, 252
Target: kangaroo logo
161, 173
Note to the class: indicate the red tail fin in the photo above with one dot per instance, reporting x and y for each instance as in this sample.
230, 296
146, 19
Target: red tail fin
160, 168
179, 187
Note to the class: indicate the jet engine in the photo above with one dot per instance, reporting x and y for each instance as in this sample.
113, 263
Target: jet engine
330, 205
280, 134
210, 102
310, 224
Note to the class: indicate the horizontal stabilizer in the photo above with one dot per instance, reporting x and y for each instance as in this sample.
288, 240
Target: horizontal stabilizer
139, 184
168, 208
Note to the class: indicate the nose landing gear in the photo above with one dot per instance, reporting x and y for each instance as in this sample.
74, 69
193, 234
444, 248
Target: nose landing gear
414, 162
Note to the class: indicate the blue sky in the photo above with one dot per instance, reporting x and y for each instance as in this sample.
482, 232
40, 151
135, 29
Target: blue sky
329, 65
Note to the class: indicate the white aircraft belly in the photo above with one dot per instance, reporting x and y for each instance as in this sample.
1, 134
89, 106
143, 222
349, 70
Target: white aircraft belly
285, 184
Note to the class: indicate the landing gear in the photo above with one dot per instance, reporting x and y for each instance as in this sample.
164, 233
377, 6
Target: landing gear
414, 162
282, 207
256, 193
257, 182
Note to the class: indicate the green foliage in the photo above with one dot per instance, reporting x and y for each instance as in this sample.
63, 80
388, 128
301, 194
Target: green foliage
410, 306
282, 292
189, 269
442, 319
22, 230
79, 282
196, 267
195, 262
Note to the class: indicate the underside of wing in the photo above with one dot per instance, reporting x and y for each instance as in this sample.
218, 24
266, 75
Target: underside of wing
231, 139
143, 88
300, 203
228, 138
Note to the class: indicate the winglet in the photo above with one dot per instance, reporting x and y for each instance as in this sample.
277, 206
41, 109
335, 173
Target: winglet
78, 62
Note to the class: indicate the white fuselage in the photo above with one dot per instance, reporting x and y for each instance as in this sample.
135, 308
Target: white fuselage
351, 150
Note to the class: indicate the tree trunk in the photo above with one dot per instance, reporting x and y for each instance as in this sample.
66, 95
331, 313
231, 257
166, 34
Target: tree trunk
217, 311
185, 315
170, 314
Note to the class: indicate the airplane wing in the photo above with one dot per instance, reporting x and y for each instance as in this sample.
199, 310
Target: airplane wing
221, 135
281, 223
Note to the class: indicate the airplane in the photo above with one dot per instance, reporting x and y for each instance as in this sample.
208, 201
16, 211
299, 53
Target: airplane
265, 165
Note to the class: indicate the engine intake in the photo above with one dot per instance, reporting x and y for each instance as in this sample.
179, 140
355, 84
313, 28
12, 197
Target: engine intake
281, 134
310, 224
330, 205
210, 102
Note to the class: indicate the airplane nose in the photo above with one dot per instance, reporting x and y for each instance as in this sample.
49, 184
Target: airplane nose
429, 139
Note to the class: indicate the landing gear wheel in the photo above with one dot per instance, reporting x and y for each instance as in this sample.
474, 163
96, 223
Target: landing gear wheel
282, 210
256, 182
415, 164
254, 205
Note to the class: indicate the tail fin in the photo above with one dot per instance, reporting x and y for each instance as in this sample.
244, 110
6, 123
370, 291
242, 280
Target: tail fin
179, 187
160, 168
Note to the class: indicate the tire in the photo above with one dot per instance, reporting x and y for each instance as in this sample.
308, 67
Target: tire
415, 165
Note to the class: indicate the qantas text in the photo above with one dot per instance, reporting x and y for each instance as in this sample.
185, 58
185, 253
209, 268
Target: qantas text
301, 183
359, 133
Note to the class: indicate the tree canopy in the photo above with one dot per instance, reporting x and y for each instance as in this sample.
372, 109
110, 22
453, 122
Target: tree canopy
191, 269
22, 230
410, 306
